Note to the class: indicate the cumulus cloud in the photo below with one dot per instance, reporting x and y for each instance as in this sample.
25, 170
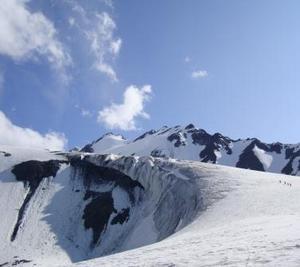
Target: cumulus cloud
123, 116
11, 134
199, 74
25, 35
104, 44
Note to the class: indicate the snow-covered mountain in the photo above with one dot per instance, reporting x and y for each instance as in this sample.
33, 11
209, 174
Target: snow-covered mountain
59, 209
68, 207
190, 143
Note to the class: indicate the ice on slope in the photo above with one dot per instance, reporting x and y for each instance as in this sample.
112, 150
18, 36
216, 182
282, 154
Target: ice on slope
252, 220
52, 229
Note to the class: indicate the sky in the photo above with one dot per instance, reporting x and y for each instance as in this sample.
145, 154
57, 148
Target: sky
71, 71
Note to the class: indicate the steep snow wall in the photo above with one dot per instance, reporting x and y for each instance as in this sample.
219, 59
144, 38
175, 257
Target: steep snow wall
74, 206
170, 199
79, 206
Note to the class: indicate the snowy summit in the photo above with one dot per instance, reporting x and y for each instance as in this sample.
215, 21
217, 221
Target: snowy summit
73, 208
90, 177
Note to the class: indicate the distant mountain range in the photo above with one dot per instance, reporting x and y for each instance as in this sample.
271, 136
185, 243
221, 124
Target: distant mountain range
191, 143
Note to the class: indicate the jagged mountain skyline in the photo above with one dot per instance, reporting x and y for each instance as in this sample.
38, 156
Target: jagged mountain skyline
72, 69
71, 208
191, 143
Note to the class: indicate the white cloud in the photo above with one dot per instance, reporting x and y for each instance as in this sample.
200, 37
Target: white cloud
123, 116
104, 45
107, 70
99, 29
115, 46
11, 134
25, 35
199, 74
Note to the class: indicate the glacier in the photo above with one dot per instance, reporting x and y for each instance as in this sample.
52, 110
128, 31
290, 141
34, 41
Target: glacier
90, 209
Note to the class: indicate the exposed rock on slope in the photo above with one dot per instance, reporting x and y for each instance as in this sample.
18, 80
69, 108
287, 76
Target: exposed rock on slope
190, 143
73, 207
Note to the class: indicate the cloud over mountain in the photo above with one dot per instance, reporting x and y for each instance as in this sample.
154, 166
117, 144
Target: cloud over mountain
123, 116
12, 134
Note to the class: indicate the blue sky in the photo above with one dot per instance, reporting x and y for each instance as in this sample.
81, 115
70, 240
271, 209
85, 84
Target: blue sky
81, 68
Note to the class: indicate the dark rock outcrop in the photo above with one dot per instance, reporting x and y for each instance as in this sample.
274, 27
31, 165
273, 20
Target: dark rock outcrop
179, 139
97, 174
6, 154
121, 217
97, 212
291, 154
248, 159
144, 135
31, 173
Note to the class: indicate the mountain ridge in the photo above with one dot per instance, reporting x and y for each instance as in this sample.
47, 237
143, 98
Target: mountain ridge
191, 143
62, 208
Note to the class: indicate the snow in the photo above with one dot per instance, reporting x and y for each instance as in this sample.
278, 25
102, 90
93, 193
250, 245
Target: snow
255, 224
20, 154
109, 141
144, 147
140, 237
263, 157
237, 148
228, 216
188, 150
296, 166
249, 242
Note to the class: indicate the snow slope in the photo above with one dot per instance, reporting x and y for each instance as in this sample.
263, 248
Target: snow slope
251, 220
159, 212
88, 207
190, 143
107, 141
